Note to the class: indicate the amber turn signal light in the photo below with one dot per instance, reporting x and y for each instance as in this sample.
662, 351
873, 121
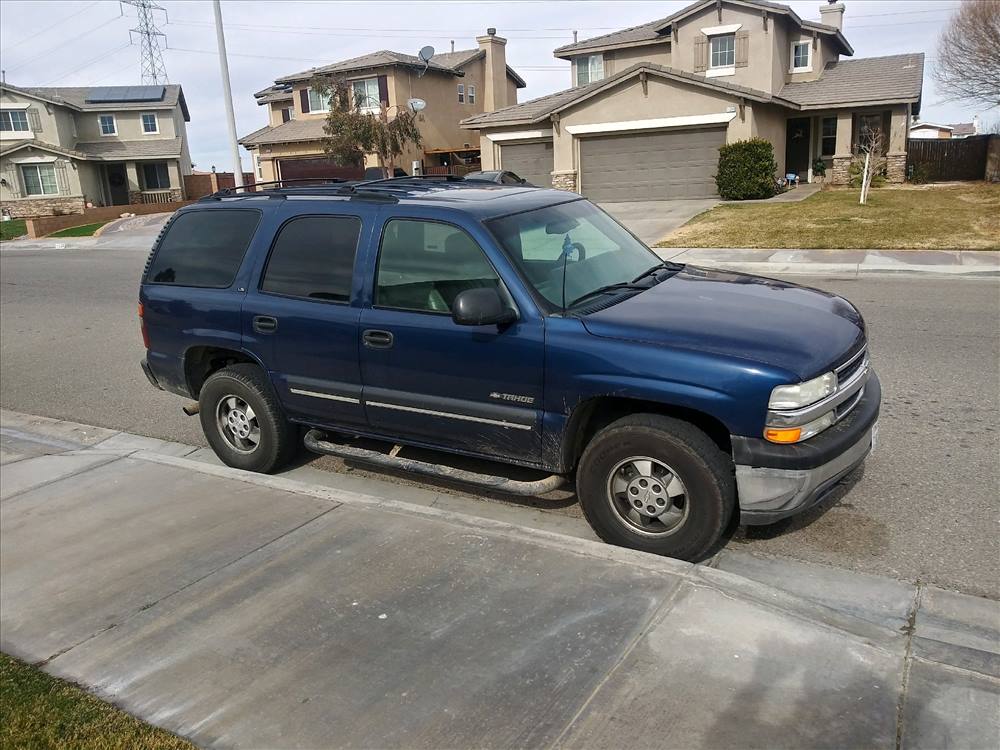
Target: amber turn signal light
783, 435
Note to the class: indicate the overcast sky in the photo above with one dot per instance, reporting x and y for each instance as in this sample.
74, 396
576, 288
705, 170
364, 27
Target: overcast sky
86, 42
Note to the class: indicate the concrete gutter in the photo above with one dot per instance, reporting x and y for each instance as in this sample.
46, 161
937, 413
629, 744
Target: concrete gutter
243, 610
851, 263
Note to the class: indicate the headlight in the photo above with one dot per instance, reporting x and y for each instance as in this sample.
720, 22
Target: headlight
802, 394
798, 434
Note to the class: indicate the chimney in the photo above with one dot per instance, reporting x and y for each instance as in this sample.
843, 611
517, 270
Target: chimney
832, 14
452, 45
495, 85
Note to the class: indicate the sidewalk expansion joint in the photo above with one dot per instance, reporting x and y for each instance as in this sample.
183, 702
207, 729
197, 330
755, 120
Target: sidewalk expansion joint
55, 480
908, 630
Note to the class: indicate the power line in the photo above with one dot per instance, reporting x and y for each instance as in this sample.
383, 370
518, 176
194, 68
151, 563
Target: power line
150, 57
51, 26
78, 67
60, 44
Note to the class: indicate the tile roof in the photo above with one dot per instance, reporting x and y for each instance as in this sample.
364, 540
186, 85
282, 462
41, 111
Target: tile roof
287, 132
963, 128
868, 79
538, 109
277, 93
116, 150
12, 146
75, 97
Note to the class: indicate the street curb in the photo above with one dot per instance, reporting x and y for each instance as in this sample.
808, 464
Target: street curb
846, 269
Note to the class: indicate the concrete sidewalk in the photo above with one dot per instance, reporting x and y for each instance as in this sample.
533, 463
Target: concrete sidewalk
839, 262
241, 610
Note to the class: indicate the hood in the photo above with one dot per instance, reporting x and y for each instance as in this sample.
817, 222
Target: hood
804, 331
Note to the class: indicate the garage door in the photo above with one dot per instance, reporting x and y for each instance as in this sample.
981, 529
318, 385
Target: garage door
651, 166
316, 168
532, 161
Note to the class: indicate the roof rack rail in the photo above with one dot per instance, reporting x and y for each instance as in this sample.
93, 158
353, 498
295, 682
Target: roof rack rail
255, 187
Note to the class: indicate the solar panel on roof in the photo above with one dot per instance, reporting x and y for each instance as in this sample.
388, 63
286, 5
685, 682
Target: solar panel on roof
110, 94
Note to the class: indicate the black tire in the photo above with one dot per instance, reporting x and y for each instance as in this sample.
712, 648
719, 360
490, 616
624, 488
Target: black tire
705, 472
277, 440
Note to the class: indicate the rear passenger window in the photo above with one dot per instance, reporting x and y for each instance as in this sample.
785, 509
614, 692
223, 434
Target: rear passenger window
313, 257
423, 266
204, 248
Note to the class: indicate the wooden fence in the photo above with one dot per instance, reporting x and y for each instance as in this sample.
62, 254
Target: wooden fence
938, 160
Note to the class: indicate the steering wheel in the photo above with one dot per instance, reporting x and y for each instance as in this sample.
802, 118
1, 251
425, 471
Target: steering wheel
580, 249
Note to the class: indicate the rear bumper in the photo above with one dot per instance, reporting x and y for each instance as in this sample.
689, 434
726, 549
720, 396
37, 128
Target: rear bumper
778, 481
149, 375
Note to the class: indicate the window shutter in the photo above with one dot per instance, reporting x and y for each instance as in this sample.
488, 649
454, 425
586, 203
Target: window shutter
742, 48
34, 120
383, 89
700, 54
62, 179
12, 180
304, 99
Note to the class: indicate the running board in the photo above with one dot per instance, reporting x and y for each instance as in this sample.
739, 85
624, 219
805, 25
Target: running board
316, 442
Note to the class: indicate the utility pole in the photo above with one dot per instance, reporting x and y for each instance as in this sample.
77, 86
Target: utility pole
227, 95
154, 72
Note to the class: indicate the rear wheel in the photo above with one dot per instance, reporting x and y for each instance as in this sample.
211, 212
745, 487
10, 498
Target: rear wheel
243, 422
658, 485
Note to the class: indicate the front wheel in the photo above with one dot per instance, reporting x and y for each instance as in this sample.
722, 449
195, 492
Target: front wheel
656, 484
243, 422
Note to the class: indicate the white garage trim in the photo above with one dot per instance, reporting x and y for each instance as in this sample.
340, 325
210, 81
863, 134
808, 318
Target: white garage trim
653, 124
519, 135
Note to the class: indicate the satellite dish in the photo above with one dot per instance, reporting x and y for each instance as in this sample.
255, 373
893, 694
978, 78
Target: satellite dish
426, 53
416, 105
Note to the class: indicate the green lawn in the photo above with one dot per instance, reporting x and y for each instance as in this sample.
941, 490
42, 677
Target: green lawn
87, 230
39, 711
11, 229
938, 217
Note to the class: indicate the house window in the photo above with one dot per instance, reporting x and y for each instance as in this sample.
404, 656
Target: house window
723, 51
472, 94
156, 176
801, 57
868, 125
589, 68
39, 179
461, 93
317, 103
149, 124
14, 120
288, 113
108, 125
366, 94
829, 144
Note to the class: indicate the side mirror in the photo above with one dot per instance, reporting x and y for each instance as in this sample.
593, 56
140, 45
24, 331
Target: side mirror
481, 307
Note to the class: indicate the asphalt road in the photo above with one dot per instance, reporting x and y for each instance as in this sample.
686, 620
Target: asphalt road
927, 506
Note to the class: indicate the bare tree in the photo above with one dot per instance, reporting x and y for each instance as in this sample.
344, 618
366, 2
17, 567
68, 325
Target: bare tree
870, 159
968, 65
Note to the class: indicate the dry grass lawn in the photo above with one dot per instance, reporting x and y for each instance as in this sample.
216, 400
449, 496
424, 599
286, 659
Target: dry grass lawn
919, 217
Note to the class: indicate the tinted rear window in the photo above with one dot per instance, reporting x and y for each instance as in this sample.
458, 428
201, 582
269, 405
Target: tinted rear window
204, 248
313, 257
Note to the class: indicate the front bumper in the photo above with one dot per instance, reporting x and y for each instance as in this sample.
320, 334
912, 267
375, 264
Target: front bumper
777, 481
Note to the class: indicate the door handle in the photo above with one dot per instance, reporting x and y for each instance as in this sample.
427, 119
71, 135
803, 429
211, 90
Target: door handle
265, 324
377, 339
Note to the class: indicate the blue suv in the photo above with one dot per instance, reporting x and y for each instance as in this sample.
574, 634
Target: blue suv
516, 324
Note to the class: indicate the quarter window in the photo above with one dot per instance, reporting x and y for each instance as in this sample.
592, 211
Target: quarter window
14, 120
313, 258
589, 68
156, 176
723, 51
204, 248
39, 179
108, 126
829, 145
461, 93
366, 94
800, 56
424, 265
149, 124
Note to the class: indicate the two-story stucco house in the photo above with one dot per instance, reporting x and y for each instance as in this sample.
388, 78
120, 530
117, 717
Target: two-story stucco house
651, 105
455, 85
63, 148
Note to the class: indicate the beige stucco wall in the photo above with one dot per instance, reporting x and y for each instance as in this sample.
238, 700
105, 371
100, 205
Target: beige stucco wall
9, 170
128, 123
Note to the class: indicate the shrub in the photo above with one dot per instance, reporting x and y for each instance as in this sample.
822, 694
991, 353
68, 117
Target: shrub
746, 170
854, 175
819, 168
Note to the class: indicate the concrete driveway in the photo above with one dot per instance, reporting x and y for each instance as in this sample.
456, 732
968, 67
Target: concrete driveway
651, 221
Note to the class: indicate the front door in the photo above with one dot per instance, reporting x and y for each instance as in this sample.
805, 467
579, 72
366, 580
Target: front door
797, 140
117, 184
300, 321
475, 389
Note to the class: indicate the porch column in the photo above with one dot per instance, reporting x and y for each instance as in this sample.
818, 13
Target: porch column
134, 186
896, 155
842, 156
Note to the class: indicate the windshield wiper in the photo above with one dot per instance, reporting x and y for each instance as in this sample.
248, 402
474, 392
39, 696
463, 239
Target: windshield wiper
658, 267
620, 286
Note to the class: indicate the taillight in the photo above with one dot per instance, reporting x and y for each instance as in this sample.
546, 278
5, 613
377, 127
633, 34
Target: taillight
142, 326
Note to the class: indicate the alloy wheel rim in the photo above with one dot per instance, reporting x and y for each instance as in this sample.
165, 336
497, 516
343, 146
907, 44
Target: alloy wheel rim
648, 496
238, 424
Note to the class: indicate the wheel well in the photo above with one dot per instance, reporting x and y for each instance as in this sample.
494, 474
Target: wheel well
202, 361
596, 414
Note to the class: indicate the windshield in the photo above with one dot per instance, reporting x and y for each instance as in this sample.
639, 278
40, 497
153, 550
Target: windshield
598, 250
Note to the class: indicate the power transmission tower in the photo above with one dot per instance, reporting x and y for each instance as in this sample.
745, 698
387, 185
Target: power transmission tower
153, 70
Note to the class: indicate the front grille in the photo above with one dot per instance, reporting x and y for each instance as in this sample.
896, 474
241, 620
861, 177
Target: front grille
854, 363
